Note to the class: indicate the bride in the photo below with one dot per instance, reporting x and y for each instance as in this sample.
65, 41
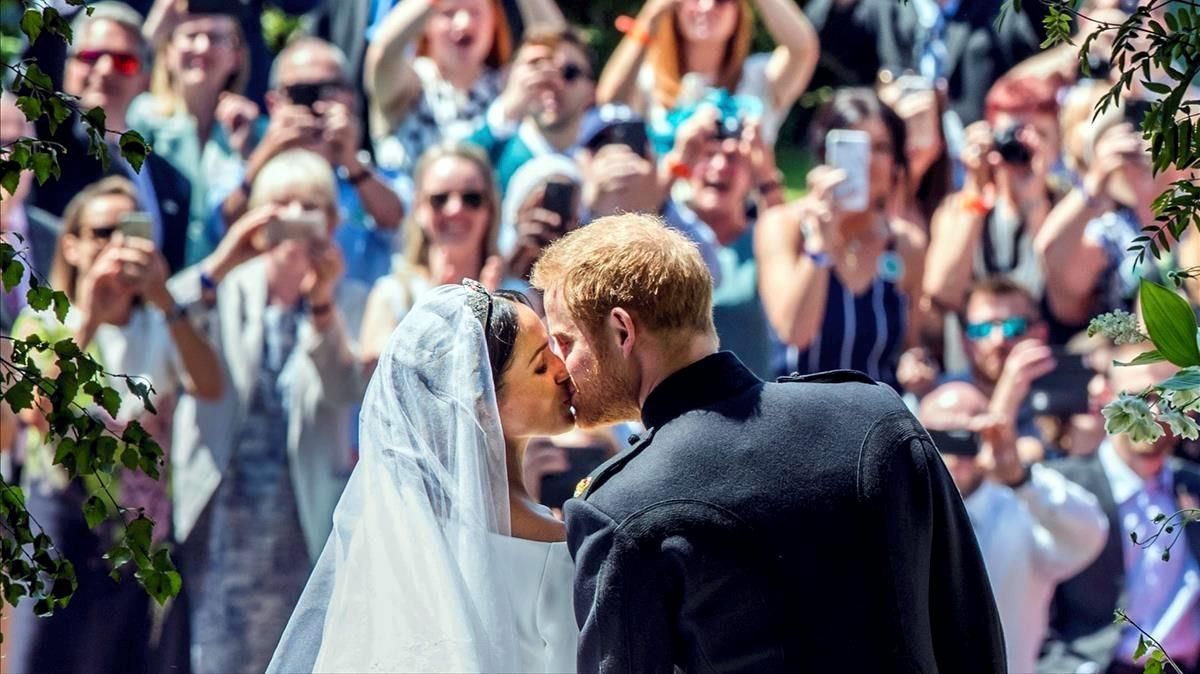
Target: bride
439, 560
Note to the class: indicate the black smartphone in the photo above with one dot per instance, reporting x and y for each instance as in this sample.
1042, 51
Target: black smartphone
559, 198
1135, 112
556, 489
304, 93
956, 442
212, 7
1064, 391
630, 134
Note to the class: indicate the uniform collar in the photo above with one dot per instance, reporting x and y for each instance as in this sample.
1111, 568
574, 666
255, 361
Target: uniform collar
699, 385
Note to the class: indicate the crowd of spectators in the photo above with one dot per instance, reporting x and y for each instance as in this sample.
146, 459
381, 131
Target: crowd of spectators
961, 220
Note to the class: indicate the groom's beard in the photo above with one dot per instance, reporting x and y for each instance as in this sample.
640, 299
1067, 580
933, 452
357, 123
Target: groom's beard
606, 394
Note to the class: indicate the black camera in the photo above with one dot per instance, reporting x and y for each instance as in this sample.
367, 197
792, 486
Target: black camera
1011, 148
729, 126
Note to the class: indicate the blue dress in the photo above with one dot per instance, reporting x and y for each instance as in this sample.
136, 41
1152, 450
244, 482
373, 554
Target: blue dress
862, 332
252, 564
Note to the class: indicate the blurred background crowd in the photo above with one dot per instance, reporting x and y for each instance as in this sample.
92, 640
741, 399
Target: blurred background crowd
907, 189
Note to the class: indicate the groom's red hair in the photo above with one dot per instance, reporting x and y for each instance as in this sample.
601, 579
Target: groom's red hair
633, 261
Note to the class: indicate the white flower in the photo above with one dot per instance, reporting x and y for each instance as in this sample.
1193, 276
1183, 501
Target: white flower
1119, 326
1181, 425
1131, 415
1187, 400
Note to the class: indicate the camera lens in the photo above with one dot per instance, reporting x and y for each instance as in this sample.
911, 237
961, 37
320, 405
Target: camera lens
1010, 147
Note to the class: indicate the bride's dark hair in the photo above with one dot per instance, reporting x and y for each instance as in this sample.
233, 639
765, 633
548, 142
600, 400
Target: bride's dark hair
497, 312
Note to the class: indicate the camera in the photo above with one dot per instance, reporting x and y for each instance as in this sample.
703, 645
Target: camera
1011, 148
729, 126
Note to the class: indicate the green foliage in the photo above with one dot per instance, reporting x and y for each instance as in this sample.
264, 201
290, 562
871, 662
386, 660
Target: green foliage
1164, 58
58, 381
278, 27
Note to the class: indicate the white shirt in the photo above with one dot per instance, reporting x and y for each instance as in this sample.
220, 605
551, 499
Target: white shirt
1032, 538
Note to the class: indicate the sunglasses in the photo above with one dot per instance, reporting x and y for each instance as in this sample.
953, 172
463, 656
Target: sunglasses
101, 233
471, 200
572, 72
123, 63
1010, 328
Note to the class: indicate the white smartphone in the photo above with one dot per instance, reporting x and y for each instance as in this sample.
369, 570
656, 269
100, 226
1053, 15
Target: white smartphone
305, 225
137, 224
850, 151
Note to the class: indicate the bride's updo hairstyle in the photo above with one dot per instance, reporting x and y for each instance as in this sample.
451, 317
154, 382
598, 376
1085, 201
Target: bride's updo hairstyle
497, 313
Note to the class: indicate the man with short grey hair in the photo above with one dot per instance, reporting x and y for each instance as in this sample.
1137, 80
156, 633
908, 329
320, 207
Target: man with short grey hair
312, 106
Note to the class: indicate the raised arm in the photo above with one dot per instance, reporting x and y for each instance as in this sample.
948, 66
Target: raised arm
390, 80
618, 80
954, 237
795, 58
1071, 527
542, 13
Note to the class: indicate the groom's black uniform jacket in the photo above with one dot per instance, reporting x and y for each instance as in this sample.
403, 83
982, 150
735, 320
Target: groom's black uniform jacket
806, 526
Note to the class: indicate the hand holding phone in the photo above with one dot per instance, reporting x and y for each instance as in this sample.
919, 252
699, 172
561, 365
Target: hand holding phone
559, 198
959, 442
137, 225
850, 151
303, 225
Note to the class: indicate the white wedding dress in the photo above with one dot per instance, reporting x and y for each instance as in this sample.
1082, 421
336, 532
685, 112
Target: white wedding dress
539, 576
421, 573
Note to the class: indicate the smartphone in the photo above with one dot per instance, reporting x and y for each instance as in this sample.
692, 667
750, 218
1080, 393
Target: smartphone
956, 442
850, 151
304, 225
212, 6
631, 134
559, 198
1064, 391
137, 225
556, 489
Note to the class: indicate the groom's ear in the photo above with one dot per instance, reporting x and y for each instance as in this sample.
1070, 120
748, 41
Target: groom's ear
622, 330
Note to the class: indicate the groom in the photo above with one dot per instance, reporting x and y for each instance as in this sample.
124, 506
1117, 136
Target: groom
805, 526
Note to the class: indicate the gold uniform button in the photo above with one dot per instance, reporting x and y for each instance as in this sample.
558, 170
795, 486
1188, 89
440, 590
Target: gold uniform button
582, 487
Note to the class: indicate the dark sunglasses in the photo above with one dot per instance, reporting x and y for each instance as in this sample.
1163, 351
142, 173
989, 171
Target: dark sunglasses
307, 93
123, 63
471, 200
101, 233
1010, 328
572, 72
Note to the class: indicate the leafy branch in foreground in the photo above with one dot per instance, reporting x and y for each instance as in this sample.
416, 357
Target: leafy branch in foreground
1158, 48
69, 394
37, 98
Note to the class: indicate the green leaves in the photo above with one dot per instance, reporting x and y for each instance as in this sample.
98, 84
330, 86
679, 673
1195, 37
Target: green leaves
1170, 324
94, 511
1185, 379
31, 24
12, 273
134, 149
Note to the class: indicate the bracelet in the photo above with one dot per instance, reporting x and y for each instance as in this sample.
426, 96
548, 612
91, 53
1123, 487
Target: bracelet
362, 175
1028, 474
679, 169
318, 310
177, 312
207, 284
819, 258
633, 30
974, 204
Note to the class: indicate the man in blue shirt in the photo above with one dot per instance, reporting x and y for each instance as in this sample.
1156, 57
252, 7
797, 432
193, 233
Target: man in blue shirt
551, 86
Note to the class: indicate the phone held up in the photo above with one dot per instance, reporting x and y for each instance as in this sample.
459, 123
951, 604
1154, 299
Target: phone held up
956, 442
137, 225
850, 151
559, 197
303, 225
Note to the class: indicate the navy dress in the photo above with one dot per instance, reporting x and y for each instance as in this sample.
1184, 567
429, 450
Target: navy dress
862, 332
247, 560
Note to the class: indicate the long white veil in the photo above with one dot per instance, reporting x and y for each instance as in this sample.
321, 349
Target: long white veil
406, 581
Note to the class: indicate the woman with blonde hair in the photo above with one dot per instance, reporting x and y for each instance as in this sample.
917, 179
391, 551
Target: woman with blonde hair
450, 235
679, 47
257, 474
462, 50
123, 316
194, 114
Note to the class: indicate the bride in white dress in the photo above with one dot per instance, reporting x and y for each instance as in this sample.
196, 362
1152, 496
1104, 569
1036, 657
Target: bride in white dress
439, 561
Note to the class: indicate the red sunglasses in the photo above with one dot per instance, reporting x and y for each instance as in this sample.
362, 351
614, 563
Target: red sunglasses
125, 64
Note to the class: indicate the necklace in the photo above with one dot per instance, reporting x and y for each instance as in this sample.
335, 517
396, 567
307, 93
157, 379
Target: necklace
855, 245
